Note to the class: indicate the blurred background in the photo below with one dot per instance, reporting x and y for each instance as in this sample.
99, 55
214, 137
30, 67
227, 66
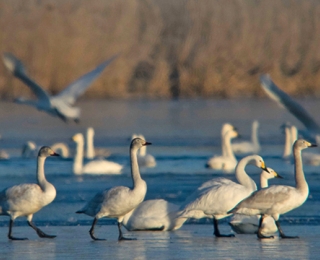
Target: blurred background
168, 49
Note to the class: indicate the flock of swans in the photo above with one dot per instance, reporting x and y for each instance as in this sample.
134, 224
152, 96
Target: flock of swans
255, 211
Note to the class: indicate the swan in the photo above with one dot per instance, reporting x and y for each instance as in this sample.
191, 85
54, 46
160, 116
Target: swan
118, 201
285, 101
157, 214
60, 105
307, 157
26, 199
287, 152
216, 197
4, 155
144, 159
243, 224
91, 151
227, 161
252, 146
278, 199
92, 167
62, 149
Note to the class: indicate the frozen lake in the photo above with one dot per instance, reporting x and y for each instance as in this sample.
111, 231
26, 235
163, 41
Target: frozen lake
184, 135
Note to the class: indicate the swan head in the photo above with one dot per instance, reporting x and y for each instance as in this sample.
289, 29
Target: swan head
226, 128
46, 151
77, 138
233, 133
138, 143
257, 161
302, 144
270, 174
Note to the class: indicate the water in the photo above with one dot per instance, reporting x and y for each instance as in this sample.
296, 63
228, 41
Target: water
184, 135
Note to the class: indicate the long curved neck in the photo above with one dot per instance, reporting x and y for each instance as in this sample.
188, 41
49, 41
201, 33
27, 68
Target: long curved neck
41, 179
241, 175
287, 143
78, 158
135, 173
254, 135
90, 146
301, 183
226, 144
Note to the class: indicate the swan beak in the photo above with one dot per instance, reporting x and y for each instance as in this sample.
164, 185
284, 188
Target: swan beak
312, 145
263, 167
147, 143
276, 175
54, 154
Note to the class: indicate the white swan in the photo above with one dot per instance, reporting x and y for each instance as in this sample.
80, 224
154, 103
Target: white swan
144, 159
278, 199
287, 151
243, 224
118, 201
91, 151
60, 105
92, 167
26, 199
252, 146
227, 161
155, 214
62, 149
217, 196
284, 100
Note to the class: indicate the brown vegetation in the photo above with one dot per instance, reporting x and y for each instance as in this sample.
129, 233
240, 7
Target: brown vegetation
168, 48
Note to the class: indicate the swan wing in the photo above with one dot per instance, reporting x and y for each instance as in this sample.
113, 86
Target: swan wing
78, 87
16, 67
284, 100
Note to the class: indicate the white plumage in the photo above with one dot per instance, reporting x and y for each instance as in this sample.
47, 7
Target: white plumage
155, 214
278, 199
252, 146
120, 200
26, 199
227, 161
92, 167
243, 224
91, 150
216, 197
144, 159
60, 105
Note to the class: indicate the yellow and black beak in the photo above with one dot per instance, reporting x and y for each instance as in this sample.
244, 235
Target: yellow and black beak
276, 175
263, 167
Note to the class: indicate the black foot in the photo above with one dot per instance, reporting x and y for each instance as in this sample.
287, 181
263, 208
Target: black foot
290, 237
17, 238
220, 235
126, 238
95, 238
44, 235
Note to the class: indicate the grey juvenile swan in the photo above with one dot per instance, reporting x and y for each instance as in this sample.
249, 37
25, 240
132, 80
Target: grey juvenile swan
278, 199
26, 199
118, 201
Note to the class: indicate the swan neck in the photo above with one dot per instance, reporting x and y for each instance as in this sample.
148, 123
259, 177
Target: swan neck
301, 183
135, 173
90, 146
78, 158
242, 177
254, 135
226, 145
41, 178
143, 150
287, 143
263, 182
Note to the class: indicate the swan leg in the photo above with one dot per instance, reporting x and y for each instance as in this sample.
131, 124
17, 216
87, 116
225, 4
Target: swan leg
39, 231
10, 232
121, 237
281, 232
91, 231
259, 234
216, 229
